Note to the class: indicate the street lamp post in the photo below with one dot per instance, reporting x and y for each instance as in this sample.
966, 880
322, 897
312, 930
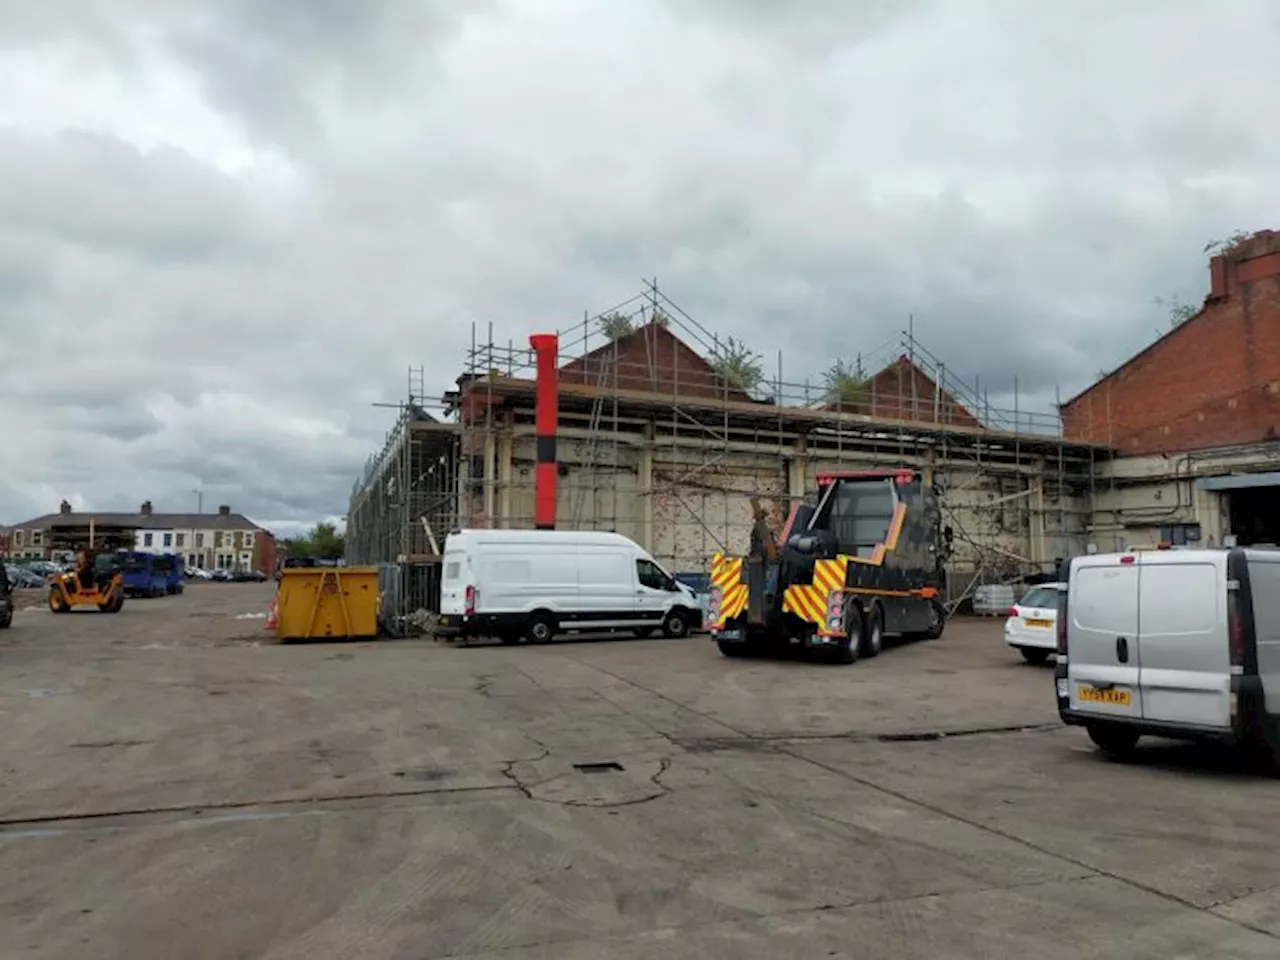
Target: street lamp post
196, 532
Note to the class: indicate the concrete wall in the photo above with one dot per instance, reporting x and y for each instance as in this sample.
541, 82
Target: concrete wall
1136, 499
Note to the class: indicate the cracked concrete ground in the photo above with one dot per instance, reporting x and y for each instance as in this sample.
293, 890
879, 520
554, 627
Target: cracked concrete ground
171, 785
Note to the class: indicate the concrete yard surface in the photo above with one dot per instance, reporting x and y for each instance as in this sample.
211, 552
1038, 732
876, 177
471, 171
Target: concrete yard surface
178, 785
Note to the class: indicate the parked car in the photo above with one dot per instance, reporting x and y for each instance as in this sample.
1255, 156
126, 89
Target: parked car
1172, 643
700, 584
1031, 628
6, 600
25, 578
532, 584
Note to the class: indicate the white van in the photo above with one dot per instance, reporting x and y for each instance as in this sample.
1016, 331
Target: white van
1182, 644
531, 584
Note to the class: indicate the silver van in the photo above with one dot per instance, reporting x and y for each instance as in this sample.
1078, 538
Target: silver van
1172, 643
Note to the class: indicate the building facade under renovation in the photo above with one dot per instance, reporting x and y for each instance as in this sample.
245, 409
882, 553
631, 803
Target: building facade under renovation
664, 433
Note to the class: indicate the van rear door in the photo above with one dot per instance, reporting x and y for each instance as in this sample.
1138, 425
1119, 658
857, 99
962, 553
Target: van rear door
455, 576
1186, 656
1102, 636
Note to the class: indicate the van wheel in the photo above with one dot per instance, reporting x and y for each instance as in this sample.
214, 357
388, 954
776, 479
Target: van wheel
1116, 742
873, 633
1034, 655
540, 629
676, 624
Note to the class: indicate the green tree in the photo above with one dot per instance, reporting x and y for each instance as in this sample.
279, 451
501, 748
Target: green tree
616, 325
847, 387
660, 318
323, 542
741, 368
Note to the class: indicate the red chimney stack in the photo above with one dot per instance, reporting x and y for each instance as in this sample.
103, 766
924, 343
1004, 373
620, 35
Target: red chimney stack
546, 346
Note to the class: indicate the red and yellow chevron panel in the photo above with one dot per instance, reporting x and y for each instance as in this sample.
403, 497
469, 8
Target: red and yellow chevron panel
809, 601
726, 576
806, 601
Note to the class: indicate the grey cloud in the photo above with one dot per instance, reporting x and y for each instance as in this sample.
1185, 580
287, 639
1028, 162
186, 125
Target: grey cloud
91, 190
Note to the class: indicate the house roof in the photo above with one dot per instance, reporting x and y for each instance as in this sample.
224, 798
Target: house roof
152, 521
651, 358
890, 393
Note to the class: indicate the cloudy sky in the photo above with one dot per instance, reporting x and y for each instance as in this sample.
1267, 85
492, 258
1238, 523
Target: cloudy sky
227, 229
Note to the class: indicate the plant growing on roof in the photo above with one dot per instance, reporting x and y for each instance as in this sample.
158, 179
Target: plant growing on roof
847, 387
616, 325
739, 366
660, 318
1216, 247
1179, 312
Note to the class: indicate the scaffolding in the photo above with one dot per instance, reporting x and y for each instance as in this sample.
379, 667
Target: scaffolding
667, 430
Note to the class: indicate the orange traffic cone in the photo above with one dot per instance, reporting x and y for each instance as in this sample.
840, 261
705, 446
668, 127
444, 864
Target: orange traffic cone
273, 621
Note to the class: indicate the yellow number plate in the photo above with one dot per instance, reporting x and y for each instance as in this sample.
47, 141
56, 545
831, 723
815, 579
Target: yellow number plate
1116, 698
1038, 623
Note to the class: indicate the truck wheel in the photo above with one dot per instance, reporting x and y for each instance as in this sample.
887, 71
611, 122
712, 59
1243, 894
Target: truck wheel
540, 628
873, 633
1116, 742
676, 624
732, 649
851, 643
937, 619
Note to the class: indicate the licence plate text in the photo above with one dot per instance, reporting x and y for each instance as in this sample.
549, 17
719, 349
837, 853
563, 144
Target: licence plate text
1038, 623
1116, 698
729, 635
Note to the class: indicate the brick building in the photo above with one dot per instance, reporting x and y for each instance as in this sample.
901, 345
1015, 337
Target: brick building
902, 391
654, 360
1195, 418
1213, 381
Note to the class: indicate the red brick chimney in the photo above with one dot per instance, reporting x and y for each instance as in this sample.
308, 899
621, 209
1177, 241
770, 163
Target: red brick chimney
146, 508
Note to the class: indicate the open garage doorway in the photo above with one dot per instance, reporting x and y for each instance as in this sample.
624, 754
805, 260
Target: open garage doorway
1254, 515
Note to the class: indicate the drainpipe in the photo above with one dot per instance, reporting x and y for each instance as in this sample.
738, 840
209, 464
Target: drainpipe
546, 420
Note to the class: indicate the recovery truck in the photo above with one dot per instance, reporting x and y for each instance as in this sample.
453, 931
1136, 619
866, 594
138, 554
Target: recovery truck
866, 561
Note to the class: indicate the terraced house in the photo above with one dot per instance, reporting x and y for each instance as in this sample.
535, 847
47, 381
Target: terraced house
221, 540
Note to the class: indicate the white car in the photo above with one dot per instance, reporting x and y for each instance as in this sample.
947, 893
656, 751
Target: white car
1032, 627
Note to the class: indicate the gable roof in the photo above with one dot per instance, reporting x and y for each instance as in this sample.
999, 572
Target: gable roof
901, 390
652, 359
152, 521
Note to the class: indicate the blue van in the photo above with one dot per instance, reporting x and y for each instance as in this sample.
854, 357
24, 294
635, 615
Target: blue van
141, 575
174, 569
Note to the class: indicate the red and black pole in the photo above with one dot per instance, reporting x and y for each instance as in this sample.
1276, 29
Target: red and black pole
545, 346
